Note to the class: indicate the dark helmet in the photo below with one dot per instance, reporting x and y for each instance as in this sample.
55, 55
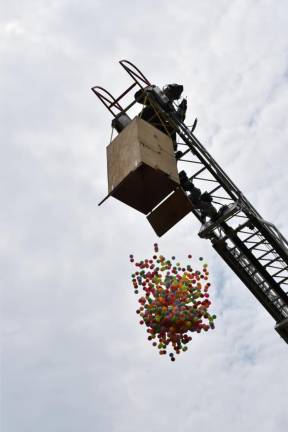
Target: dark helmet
173, 91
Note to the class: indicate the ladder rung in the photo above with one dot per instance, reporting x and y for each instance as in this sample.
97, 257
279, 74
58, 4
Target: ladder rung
250, 236
215, 189
276, 267
224, 198
280, 271
205, 179
190, 161
270, 262
198, 172
258, 243
266, 253
185, 152
283, 280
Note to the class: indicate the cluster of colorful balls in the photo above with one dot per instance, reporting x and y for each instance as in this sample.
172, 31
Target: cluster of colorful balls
174, 303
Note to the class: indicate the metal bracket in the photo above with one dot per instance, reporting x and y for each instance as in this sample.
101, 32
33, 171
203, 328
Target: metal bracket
104, 199
210, 226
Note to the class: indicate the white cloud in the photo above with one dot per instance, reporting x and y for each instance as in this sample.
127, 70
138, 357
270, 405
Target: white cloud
74, 356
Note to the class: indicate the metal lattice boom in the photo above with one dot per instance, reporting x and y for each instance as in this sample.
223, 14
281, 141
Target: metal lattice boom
252, 247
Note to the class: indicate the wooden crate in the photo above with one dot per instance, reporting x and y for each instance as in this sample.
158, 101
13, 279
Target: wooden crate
141, 166
170, 212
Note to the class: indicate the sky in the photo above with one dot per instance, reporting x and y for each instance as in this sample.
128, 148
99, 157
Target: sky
73, 356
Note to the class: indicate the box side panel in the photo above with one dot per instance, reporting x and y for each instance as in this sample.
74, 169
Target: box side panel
170, 212
160, 161
154, 136
123, 155
143, 188
157, 149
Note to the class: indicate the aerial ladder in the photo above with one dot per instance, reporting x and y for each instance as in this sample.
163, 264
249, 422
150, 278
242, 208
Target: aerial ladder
251, 246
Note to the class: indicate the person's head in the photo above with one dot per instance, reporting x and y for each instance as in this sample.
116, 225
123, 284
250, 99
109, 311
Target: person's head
173, 91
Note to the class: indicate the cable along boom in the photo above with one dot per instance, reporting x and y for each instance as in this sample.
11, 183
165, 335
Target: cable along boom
253, 248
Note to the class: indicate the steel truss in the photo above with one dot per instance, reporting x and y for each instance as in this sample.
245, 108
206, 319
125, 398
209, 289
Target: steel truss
252, 247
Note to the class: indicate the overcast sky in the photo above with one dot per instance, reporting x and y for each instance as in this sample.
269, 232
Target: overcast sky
74, 357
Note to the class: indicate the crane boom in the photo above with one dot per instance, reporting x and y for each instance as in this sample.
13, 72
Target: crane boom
252, 247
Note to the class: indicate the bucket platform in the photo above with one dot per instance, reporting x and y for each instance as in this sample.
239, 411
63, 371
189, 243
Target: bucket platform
141, 166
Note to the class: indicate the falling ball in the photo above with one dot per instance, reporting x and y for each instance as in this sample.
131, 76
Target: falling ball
175, 302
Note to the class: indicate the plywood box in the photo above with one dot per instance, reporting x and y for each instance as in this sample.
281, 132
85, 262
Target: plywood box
170, 212
141, 166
